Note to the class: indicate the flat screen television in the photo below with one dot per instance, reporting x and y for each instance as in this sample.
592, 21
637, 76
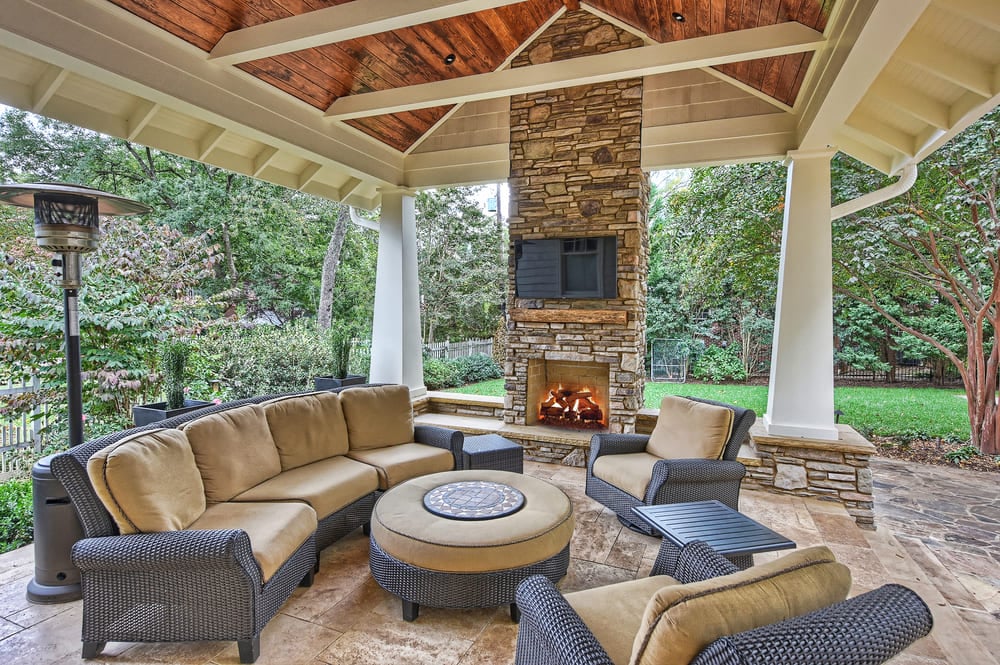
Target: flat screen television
583, 267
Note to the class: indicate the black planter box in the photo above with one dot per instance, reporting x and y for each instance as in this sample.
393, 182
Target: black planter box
151, 413
329, 383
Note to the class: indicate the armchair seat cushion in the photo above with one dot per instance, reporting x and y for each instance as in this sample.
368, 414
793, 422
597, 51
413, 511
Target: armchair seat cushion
681, 620
630, 472
688, 429
327, 485
149, 482
276, 530
397, 463
614, 613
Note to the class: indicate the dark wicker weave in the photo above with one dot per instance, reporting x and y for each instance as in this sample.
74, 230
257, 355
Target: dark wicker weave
420, 586
492, 451
676, 480
864, 630
189, 585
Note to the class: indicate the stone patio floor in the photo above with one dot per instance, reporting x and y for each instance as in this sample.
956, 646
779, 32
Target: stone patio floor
938, 533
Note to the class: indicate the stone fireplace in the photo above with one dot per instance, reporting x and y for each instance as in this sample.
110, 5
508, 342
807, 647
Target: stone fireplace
576, 178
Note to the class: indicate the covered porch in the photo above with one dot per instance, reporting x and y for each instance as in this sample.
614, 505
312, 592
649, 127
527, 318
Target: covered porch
345, 617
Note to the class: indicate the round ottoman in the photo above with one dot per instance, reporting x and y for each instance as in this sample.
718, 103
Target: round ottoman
461, 561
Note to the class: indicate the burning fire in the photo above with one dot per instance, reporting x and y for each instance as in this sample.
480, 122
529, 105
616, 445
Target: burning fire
571, 408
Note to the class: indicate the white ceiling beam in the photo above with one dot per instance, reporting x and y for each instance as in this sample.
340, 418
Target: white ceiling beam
46, 86
842, 87
349, 187
339, 23
208, 142
308, 174
882, 132
769, 41
140, 117
941, 60
912, 102
983, 12
263, 159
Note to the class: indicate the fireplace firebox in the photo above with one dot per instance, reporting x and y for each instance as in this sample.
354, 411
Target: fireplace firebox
568, 394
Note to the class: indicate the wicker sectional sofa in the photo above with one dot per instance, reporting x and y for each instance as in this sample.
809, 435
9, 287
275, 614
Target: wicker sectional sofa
200, 527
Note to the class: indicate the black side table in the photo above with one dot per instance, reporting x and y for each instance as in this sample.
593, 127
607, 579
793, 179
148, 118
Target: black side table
725, 530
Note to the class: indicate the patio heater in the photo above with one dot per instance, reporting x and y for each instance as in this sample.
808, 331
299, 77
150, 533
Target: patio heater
66, 223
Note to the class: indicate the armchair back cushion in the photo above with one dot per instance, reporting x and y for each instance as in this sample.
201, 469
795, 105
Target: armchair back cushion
234, 451
377, 416
681, 620
149, 482
686, 429
307, 428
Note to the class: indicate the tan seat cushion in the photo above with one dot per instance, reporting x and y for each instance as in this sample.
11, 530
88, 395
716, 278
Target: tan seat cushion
306, 428
377, 416
234, 451
629, 472
149, 482
686, 429
614, 612
682, 620
276, 530
404, 529
404, 461
327, 485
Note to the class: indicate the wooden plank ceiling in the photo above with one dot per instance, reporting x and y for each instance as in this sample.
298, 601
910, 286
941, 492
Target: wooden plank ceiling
481, 42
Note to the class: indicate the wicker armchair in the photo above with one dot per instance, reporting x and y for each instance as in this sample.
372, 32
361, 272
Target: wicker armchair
673, 480
864, 630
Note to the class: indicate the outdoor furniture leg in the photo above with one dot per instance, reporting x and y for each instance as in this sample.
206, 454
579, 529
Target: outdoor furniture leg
410, 610
93, 649
515, 613
366, 528
307, 581
249, 649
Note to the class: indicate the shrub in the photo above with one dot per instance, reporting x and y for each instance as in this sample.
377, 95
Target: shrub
440, 374
718, 364
963, 454
476, 368
16, 515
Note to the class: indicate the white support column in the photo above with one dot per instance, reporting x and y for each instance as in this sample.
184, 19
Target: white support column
396, 343
800, 400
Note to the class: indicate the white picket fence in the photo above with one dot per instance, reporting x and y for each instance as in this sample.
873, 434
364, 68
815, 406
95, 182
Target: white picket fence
20, 433
452, 350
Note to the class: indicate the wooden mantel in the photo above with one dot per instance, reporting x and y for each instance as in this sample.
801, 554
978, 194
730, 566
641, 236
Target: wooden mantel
619, 317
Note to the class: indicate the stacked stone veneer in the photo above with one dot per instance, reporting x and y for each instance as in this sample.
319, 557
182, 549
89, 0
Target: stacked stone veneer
575, 171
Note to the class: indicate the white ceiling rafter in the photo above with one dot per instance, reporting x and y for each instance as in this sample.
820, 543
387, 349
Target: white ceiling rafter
754, 43
938, 58
911, 101
46, 86
339, 23
877, 130
748, 89
140, 117
986, 14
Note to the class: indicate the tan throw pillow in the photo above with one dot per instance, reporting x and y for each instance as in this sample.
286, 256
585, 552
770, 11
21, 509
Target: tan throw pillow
307, 428
234, 451
149, 482
686, 429
378, 416
682, 620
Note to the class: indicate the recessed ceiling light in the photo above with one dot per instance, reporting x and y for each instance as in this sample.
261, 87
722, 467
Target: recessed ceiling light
677, 16
450, 58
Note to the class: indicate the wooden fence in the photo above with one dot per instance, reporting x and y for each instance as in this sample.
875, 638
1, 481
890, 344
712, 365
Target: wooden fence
451, 350
20, 433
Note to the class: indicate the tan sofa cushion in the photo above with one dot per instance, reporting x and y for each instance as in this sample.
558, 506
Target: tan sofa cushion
234, 451
404, 529
327, 485
306, 428
629, 472
149, 482
682, 620
614, 612
377, 416
276, 530
404, 461
686, 429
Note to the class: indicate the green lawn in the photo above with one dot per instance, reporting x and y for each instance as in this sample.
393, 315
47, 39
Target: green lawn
906, 413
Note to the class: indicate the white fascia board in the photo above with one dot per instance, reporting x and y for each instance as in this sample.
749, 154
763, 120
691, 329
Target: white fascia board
718, 130
339, 23
768, 41
840, 89
98, 40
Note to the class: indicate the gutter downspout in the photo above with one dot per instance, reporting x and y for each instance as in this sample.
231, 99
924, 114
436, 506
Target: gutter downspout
901, 186
366, 223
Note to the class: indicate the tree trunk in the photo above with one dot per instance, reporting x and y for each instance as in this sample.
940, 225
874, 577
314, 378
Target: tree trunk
324, 315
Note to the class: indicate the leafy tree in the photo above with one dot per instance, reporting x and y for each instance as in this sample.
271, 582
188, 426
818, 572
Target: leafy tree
939, 244
462, 265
